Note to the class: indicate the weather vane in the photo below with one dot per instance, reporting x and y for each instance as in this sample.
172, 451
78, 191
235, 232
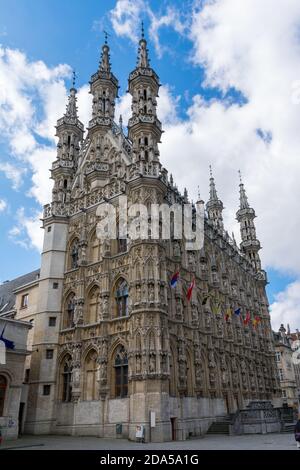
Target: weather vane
240, 175
105, 36
74, 78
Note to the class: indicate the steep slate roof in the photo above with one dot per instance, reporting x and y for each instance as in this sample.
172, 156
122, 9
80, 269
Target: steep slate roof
7, 296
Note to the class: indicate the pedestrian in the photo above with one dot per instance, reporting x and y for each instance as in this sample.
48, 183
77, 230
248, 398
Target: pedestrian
297, 433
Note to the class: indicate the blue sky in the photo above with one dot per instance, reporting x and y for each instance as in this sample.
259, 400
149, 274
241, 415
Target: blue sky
216, 103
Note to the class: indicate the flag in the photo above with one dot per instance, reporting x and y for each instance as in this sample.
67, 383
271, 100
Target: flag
237, 311
247, 318
190, 290
256, 321
228, 314
174, 279
8, 343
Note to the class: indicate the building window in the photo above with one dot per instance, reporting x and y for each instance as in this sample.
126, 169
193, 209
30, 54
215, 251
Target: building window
122, 298
49, 353
26, 377
121, 373
55, 285
281, 375
93, 305
52, 321
49, 228
24, 301
90, 382
46, 389
278, 356
3, 387
66, 381
74, 253
284, 393
122, 245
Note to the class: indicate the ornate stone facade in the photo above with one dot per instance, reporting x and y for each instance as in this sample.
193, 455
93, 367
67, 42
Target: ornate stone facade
125, 342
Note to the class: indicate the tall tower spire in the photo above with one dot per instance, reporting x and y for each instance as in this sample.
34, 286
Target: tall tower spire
69, 130
104, 88
71, 108
250, 245
144, 127
214, 206
143, 59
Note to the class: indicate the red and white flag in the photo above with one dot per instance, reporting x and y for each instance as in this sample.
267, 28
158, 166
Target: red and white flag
247, 318
190, 290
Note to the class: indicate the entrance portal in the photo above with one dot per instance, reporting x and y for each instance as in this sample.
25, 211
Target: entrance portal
173, 427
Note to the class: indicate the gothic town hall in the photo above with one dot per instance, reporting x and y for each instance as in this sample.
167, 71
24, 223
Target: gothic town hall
127, 348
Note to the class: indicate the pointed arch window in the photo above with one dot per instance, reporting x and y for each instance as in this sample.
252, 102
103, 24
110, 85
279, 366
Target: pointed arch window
90, 379
93, 305
3, 387
121, 373
95, 248
74, 254
67, 380
121, 297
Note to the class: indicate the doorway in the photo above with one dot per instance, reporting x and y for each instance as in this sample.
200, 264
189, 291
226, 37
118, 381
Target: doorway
20, 419
173, 428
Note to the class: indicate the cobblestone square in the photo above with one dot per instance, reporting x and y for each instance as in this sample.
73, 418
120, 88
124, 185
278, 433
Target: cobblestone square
211, 442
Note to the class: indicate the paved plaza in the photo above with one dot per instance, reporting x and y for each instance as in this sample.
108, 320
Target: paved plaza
209, 442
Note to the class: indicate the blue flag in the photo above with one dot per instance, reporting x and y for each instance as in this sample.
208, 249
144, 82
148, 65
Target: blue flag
8, 343
238, 311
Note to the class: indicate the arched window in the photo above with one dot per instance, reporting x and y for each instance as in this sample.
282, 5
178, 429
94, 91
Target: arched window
90, 377
121, 373
69, 311
95, 249
66, 373
3, 387
121, 242
121, 297
74, 254
93, 304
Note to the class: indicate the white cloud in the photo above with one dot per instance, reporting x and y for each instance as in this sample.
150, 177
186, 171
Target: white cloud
125, 18
84, 102
172, 19
27, 232
286, 308
254, 49
126, 21
123, 107
3, 205
13, 173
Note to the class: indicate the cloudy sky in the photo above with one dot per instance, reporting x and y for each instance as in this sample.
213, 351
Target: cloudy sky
230, 97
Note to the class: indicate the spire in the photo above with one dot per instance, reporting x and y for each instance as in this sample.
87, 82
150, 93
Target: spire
144, 127
244, 204
104, 89
71, 117
214, 206
143, 59
71, 108
250, 245
212, 191
104, 62
121, 123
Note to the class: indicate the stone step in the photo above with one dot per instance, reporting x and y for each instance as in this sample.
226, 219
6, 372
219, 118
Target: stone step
289, 428
219, 427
